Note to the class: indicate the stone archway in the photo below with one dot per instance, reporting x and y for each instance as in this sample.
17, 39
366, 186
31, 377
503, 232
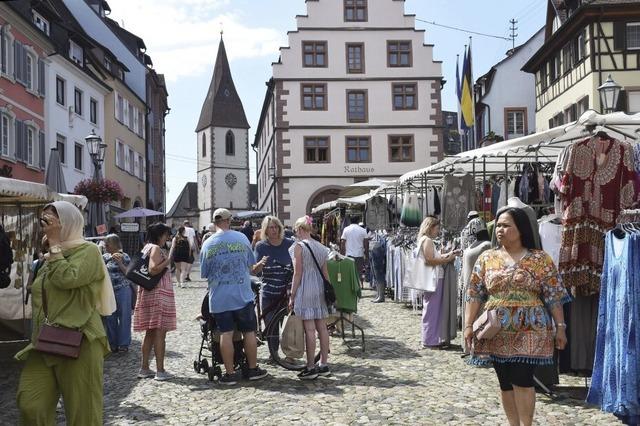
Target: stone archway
323, 195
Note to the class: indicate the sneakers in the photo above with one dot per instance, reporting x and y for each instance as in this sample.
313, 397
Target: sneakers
229, 379
161, 376
187, 279
323, 370
145, 374
256, 373
307, 374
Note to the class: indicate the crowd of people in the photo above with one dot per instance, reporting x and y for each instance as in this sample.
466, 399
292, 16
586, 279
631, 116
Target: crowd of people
76, 287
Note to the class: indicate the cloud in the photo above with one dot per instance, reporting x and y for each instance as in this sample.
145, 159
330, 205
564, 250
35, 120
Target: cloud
182, 36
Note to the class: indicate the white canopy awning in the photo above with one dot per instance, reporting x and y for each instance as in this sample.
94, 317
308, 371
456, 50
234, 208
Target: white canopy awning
542, 146
22, 191
357, 200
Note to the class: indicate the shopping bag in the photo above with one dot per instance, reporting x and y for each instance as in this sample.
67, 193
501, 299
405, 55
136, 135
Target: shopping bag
420, 277
292, 340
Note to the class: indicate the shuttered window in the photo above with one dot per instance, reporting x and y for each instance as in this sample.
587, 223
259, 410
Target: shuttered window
41, 144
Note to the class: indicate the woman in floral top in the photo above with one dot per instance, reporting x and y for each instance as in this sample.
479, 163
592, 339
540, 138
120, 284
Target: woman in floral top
522, 285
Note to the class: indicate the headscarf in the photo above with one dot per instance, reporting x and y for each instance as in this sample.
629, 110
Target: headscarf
470, 232
71, 236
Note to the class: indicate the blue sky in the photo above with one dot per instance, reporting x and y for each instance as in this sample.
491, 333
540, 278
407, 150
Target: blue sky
182, 38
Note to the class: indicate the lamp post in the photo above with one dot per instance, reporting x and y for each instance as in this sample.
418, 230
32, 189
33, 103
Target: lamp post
272, 175
96, 149
609, 93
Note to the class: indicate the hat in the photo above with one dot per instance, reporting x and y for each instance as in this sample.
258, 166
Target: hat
221, 214
211, 227
472, 214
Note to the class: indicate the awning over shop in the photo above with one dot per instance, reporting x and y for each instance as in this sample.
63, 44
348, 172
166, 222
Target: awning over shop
358, 200
21, 191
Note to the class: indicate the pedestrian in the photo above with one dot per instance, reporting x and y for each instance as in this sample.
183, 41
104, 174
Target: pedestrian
257, 237
193, 244
155, 312
288, 232
307, 295
521, 284
247, 229
432, 301
211, 229
354, 243
273, 252
225, 261
118, 324
182, 255
74, 289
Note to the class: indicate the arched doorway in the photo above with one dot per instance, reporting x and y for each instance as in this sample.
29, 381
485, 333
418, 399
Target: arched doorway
323, 195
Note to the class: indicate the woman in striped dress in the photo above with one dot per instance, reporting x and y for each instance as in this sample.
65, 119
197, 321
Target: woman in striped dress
156, 309
307, 295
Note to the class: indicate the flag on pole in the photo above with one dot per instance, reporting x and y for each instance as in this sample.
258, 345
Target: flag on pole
459, 123
466, 93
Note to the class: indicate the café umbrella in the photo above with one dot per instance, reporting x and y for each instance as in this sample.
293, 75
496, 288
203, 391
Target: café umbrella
138, 212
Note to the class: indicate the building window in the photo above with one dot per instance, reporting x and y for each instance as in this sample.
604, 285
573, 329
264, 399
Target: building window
581, 46
314, 53
120, 155
633, 35
316, 150
77, 97
515, 122
61, 143
119, 108
230, 143
355, 10
140, 124
75, 53
31, 146
314, 97
78, 156
132, 117
4, 135
355, 58
132, 162
358, 149
204, 145
4, 50
567, 57
93, 111
107, 63
633, 101
399, 53
40, 22
405, 96
60, 91
357, 106
544, 83
583, 105
28, 63
571, 113
401, 148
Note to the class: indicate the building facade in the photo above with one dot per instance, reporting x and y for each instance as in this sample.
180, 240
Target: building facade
157, 110
222, 135
24, 47
505, 96
355, 95
584, 43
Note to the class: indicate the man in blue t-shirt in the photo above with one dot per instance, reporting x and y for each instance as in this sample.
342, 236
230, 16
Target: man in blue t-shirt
225, 261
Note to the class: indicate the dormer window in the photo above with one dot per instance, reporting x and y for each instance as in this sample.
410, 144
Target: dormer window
40, 22
75, 53
107, 63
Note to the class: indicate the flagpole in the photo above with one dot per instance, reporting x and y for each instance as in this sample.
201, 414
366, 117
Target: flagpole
473, 92
458, 89
465, 138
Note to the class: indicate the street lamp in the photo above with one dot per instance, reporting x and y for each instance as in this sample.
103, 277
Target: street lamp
96, 149
609, 93
272, 175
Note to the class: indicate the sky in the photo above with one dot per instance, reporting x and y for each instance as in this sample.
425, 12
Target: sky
182, 39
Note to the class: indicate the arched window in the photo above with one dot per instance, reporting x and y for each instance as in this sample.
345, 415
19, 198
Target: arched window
204, 145
230, 143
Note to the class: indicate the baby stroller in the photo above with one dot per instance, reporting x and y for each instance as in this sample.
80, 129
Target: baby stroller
209, 360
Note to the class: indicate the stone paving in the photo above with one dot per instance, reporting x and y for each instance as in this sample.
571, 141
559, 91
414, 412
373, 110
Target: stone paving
393, 382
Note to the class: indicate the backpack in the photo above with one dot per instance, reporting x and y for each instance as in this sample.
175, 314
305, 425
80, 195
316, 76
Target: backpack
6, 259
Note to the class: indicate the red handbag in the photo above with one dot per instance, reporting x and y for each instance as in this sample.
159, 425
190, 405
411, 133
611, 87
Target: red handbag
56, 340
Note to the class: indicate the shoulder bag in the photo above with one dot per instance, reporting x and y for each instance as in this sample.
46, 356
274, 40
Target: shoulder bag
56, 340
138, 271
329, 292
487, 325
421, 277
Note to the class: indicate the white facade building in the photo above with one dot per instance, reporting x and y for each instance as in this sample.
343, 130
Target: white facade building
506, 104
355, 95
74, 106
223, 145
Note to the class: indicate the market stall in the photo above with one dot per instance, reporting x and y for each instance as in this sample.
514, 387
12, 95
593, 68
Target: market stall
21, 204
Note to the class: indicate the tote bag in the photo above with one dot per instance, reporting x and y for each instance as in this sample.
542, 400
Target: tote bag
292, 340
421, 276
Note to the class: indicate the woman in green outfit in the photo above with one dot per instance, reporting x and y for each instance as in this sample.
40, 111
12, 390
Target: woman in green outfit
78, 291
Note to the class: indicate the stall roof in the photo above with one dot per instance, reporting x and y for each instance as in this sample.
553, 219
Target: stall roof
357, 200
21, 191
542, 147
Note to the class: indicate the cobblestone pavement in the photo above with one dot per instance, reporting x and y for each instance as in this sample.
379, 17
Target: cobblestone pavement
394, 381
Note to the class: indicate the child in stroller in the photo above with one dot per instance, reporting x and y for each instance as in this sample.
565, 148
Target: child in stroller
209, 356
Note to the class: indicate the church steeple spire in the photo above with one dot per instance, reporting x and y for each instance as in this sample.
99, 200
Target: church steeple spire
222, 107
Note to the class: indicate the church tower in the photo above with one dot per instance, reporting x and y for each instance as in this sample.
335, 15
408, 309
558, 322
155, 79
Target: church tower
223, 145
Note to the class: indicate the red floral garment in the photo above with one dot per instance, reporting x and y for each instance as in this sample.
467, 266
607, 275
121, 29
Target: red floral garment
522, 295
597, 185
